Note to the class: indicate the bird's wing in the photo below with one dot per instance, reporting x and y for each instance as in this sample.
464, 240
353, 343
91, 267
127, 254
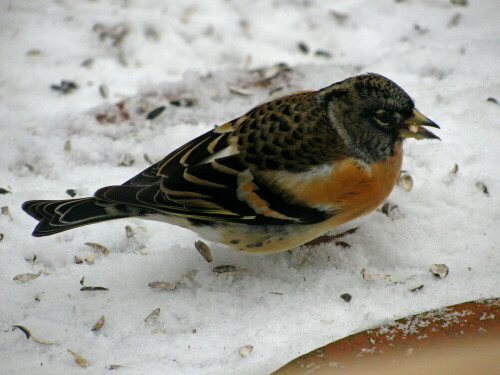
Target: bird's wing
218, 176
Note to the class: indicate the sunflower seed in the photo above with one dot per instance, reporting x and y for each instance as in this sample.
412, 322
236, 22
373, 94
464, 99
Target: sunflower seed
78, 260
204, 250
98, 325
155, 113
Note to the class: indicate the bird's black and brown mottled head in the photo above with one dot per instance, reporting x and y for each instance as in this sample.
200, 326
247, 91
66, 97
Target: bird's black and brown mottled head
371, 114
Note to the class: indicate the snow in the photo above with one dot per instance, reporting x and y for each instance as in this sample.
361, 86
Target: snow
284, 304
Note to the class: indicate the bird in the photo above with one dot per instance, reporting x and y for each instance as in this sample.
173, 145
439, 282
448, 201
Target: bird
284, 173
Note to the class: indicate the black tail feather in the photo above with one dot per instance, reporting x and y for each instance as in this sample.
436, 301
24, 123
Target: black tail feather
59, 215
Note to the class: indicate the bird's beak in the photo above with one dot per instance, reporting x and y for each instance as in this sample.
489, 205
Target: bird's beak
413, 127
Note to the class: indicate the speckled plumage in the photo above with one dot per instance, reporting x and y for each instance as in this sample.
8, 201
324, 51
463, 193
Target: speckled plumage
278, 176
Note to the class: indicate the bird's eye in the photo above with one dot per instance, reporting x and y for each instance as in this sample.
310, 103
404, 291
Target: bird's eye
382, 117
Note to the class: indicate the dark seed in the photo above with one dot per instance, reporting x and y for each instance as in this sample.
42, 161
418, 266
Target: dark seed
155, 113
483, 188
71, 192
492, 100
4, 191
322, 53
346, 297
303, 47
417, 288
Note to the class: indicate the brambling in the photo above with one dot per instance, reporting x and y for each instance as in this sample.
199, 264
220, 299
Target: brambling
275, 178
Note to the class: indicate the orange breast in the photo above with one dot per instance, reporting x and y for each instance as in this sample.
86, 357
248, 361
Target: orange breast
348, 188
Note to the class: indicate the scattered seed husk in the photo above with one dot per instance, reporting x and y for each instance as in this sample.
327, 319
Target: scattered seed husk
277, 293
104, 90
126, 160
439, 270
4, 191
97, 246
67, 146
2, 236
322, 53
454, 20
492, 100
405, 180
92, 288
239, 90
6, 211
204, 250
37, 298
78, 260
338, 16
129, 232
79, 359
28, 334
31, 260
454, 170
388, 208
87, 63
228, 269
460, 2
112, 367
89, 259
65, 87
183, 102
24, 277
276, 91
155, 113
303, 47
163, 285
187, 276
374, 276
346, 297
71, 192
151, 33
98, 325
343, 244
34, 52
245, 350
417, 288
153, 316
149, 159
479, 185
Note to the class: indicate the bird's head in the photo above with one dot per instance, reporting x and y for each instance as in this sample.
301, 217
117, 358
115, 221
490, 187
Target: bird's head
371, 113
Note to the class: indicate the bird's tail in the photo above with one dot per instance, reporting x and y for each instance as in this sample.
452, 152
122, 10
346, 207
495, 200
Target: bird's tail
59, 215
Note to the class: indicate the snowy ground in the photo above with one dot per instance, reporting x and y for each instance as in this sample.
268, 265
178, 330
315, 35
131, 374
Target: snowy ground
446, 56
